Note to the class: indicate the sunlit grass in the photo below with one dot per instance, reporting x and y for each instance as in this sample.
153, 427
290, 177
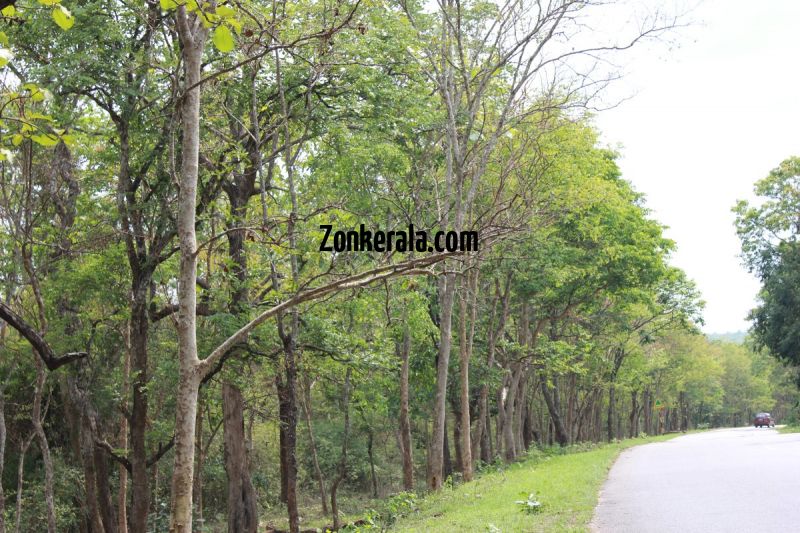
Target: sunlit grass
567, 484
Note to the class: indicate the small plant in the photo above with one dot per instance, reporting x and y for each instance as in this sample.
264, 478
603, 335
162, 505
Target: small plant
400, 505
365, 524
530, 505
491, 528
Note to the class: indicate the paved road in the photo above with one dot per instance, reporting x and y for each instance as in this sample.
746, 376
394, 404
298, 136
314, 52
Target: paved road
730, 480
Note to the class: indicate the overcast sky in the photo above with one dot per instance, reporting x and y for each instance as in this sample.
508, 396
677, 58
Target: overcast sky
705, 121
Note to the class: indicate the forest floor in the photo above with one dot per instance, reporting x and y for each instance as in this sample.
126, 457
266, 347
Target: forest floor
566, 482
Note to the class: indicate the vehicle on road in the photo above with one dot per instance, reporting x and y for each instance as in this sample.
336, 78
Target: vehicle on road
764, 420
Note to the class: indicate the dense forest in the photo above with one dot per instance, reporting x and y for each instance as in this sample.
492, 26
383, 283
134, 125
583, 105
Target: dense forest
178, 354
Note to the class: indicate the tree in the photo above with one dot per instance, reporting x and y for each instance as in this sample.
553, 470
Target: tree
769, 235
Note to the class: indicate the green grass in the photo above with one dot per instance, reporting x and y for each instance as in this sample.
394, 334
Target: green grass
789, 428
566, 483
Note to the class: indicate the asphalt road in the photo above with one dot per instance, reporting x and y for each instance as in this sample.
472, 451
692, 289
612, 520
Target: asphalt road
729, 480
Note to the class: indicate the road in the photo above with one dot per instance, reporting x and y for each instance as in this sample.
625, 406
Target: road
728, 480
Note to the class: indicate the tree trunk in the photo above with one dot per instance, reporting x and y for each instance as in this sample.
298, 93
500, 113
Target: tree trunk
87, 446
41, 438
242, 512
370, 439
199, 459
193, 36
287, 398
684, 411
283, 455
404, 349
483, 429
457, 434
140, 489
23, 450
486, 439
447, 463
465, 353
242, 517
141, 276
555, 416
508, 417
122, 438
519, 414
104, 500
313, 443
612, 400
2, 456
446, 300
343, 460
634, 418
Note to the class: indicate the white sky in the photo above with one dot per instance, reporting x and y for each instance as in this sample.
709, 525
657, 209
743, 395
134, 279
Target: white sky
705, 121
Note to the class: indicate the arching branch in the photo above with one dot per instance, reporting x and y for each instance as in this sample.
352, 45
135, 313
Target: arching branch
48, 356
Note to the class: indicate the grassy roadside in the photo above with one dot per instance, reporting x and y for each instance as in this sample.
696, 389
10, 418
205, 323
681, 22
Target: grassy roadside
791, 428
566, 484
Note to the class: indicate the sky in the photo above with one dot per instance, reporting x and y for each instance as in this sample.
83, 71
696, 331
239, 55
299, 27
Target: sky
698, 123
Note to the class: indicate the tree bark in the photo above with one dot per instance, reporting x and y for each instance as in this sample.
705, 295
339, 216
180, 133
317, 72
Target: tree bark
105, 504
447, 463
140, 482
94, 521
122, 438
558, 425
242, 511
23, 450
465, 353
288, 421
199, 455
2, 456
482, 435
313, 443
193, 36
508, 417
243, 517
404, 349
41, 438
612, 400
634, 418
374, 477
436, 466
343, 459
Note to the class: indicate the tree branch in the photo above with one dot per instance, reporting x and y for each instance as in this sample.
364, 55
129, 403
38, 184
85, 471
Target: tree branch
41, 347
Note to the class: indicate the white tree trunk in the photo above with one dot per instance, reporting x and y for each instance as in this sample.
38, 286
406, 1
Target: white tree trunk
193, 36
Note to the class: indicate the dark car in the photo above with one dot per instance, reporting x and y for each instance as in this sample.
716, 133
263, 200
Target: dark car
764, 419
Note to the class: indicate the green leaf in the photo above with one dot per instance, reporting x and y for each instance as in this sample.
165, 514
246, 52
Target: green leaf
8, 11
235, 24
168, 5
223, 38
17, 139
5, 56
63, 17
46, 139
49, 2
226, 11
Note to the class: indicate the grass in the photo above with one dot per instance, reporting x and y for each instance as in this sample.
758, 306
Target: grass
566, 482
351, 508
789, 428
